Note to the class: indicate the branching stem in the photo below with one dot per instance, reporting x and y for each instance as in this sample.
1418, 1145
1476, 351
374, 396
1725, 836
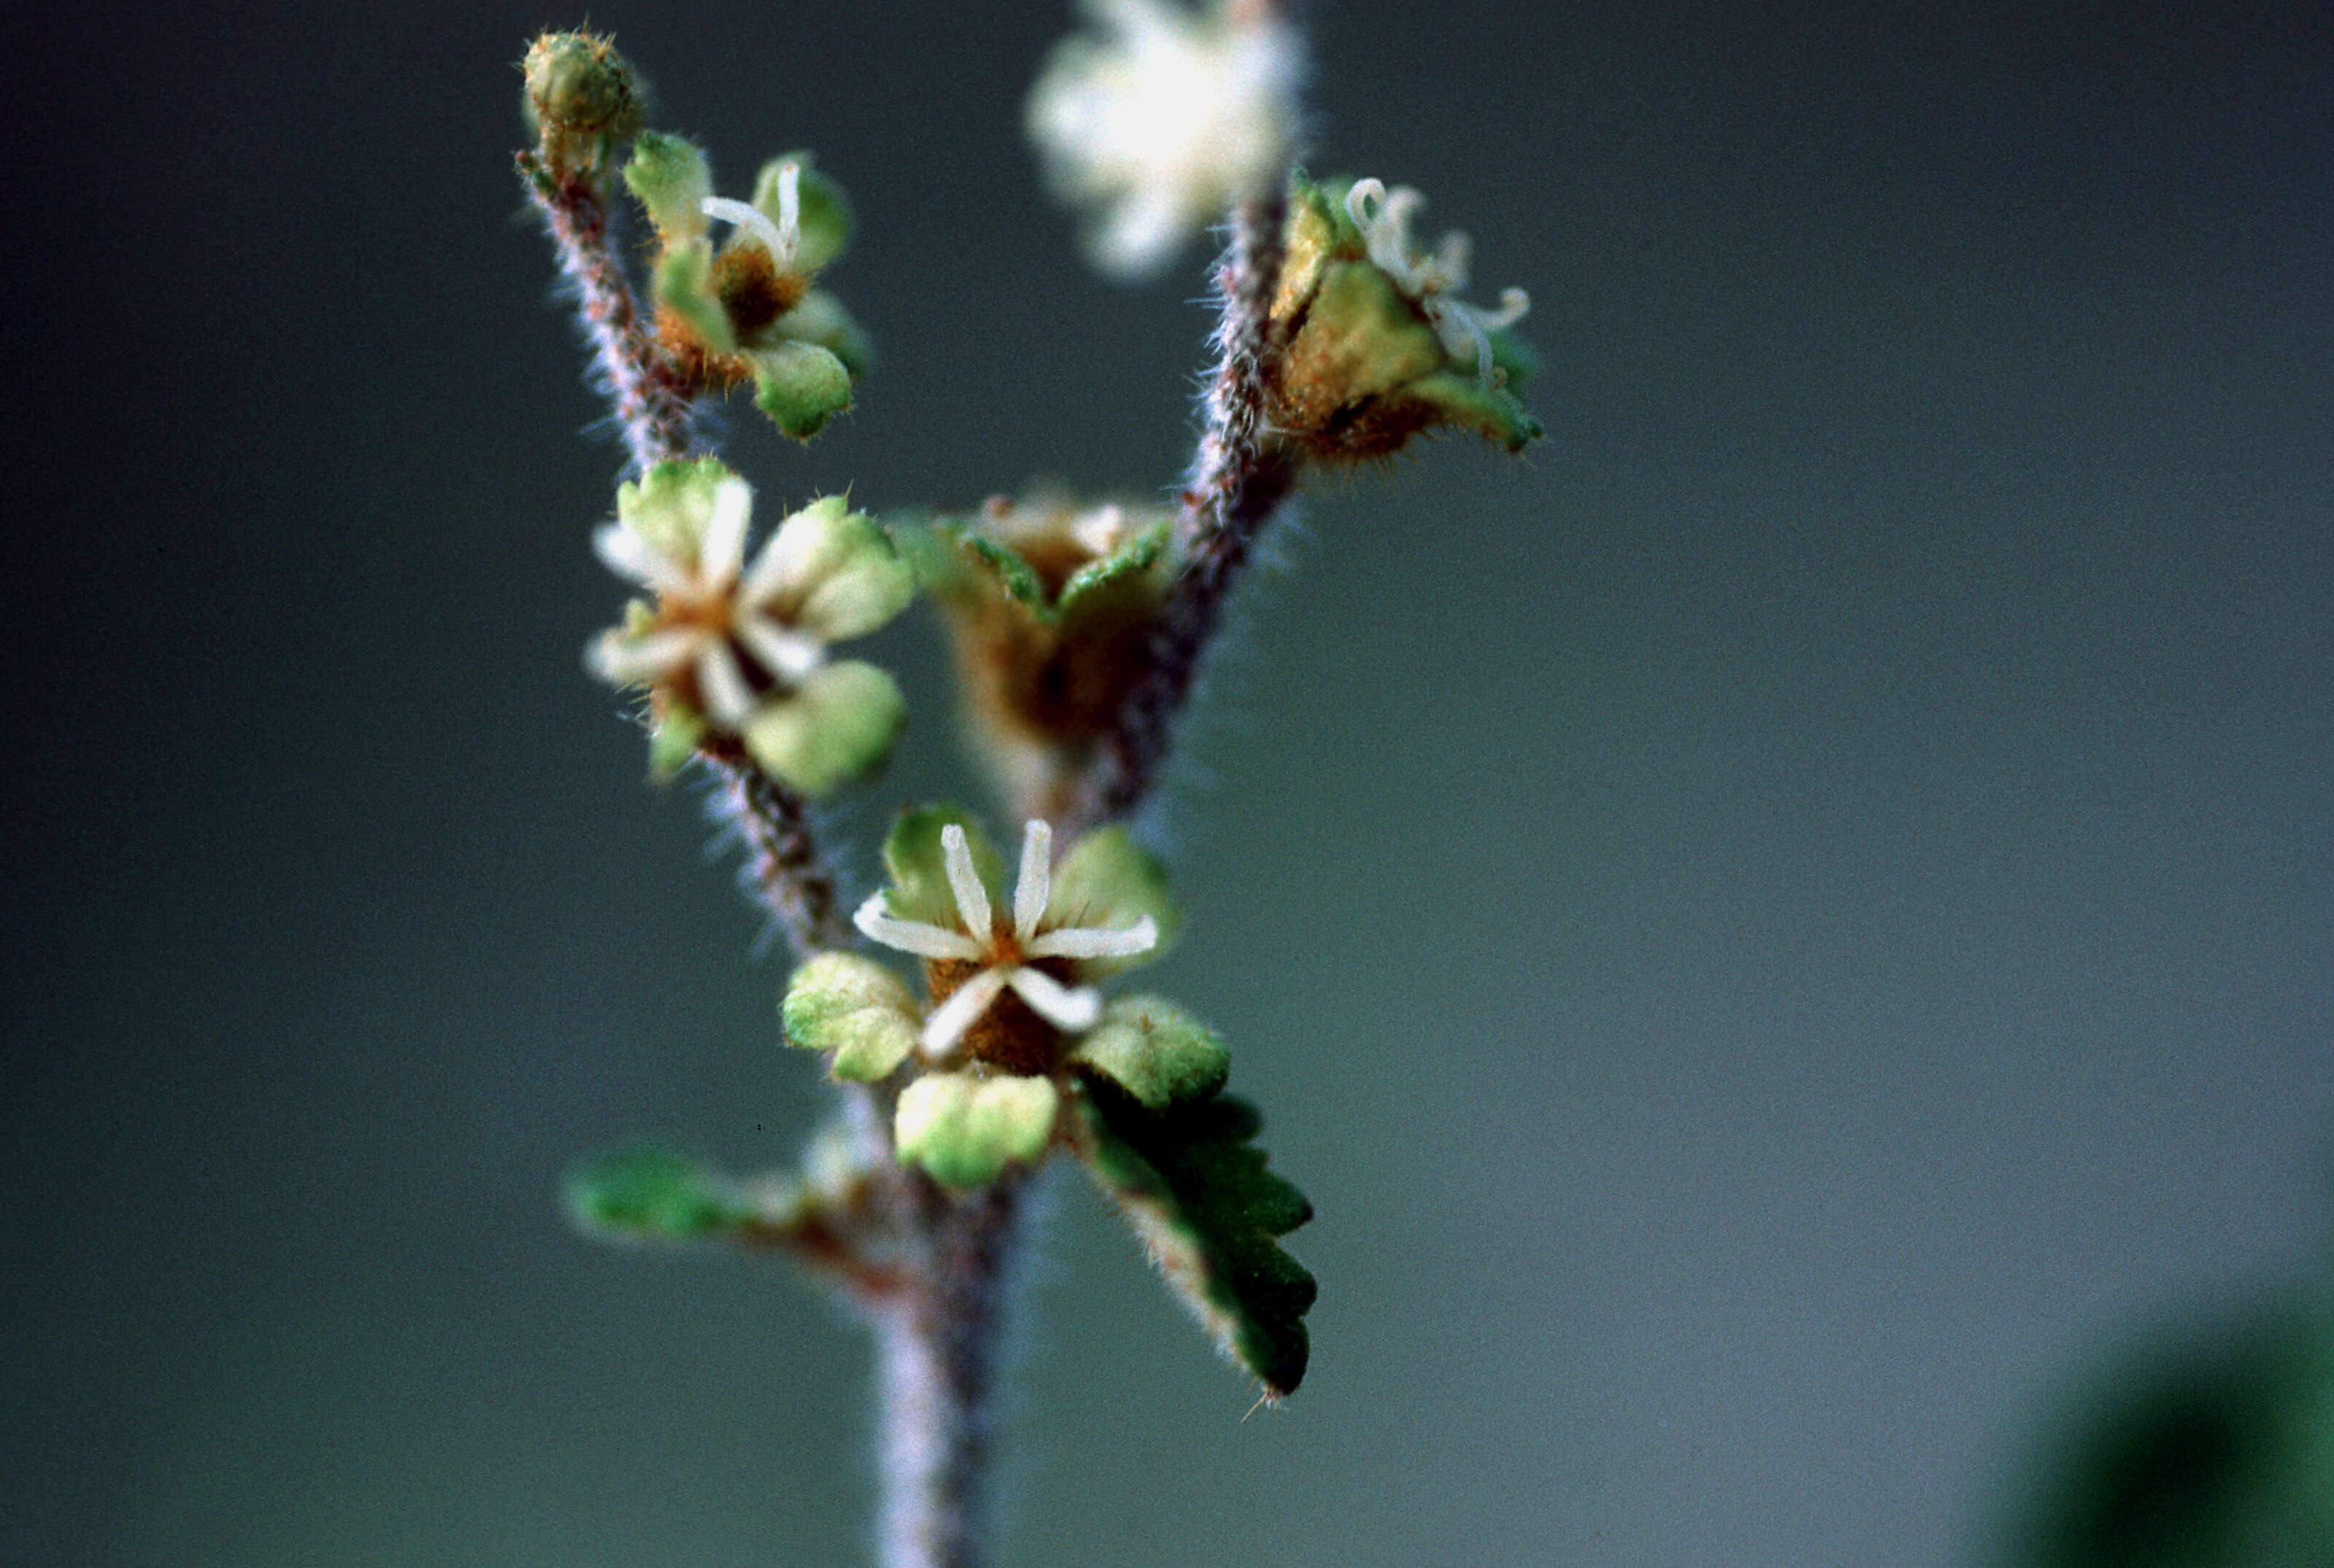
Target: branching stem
1240, 476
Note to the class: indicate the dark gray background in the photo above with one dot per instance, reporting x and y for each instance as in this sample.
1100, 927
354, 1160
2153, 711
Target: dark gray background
1779, 931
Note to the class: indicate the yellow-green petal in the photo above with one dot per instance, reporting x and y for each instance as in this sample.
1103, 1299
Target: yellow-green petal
1156, 1052
965, 1131
854, 1008
836, 725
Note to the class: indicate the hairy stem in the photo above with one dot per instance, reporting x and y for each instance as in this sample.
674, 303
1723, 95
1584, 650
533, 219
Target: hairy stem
1240, 478
653, 405
789, 873
937, 1346
656, 408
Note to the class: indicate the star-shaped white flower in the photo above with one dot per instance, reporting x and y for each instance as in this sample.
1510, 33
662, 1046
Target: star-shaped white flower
1166, 125
1431, 280
710, 608
1004, 950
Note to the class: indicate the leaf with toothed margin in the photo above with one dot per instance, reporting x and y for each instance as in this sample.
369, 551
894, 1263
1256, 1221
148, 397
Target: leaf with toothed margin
1196, 1190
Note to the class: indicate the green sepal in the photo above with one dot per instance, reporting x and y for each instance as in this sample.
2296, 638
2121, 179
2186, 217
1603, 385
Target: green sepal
670, 506
1493, 412
1102, 587
1107, 879
844, 577
1154, 1051
1197, 1192
965, 1131
648, 1193
800, 386
823, 212
674, 738
854, 1008
918, 864
683, 284
670, 176
838, 724
821, 319
1012, 577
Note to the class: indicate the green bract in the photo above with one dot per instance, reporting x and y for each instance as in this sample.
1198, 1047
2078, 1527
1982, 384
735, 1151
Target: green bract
670, 177
855, 1009
736, 650
966, 1129
1050, 607
1378, 348
1155, 1052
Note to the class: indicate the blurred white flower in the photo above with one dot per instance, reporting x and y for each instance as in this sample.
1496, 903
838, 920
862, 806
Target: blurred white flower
1161, 128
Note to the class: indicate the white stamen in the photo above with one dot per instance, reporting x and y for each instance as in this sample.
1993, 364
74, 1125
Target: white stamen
723, 545
972, 897
728, 700
1072, 943
875, 920
621, 661
789, 655
953, 1017
628, 555
1057, 1004
754, 221
1036, 880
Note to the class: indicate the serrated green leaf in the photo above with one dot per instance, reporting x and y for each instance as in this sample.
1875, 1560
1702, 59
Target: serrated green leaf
1197, 1192
646, 1193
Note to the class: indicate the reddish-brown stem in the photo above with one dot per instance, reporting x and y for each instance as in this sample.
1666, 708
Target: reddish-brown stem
653, 403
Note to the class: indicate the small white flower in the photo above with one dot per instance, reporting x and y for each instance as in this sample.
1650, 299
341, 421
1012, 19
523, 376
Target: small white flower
711, 608
1431, 280
1003, 949
1166, 125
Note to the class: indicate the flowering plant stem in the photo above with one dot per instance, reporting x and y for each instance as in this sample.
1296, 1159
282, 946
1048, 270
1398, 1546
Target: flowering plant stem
1240, 478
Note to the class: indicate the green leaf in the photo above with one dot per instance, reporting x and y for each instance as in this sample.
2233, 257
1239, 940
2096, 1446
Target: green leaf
1197, 1193
856, 1009
918, 866
1154, 1051
648, 1193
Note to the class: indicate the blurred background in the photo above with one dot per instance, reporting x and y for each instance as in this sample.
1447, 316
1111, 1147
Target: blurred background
1785, 933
